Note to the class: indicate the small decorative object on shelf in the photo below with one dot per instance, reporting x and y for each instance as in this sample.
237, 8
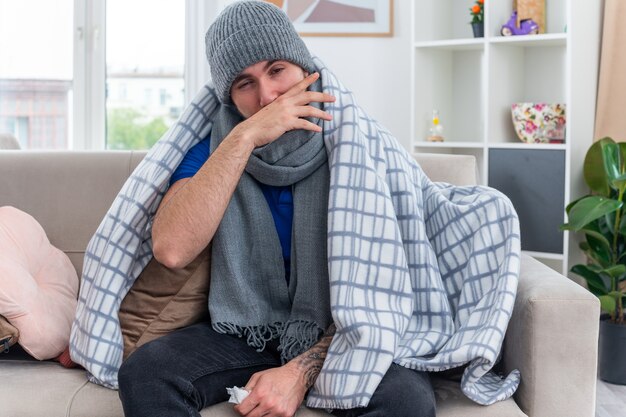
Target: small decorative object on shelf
435, 133
539, 122
478, 18
526, 26
531, 9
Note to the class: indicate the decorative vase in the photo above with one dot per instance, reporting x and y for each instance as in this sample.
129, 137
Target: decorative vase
479, 29
612, 352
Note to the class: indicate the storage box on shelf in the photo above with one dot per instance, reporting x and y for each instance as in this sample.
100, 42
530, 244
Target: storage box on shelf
474, 81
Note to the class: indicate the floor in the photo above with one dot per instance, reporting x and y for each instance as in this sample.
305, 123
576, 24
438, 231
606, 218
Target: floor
610, 400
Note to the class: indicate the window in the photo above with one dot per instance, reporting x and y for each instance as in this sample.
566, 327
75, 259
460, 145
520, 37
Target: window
145, 60
36, 72
74, 73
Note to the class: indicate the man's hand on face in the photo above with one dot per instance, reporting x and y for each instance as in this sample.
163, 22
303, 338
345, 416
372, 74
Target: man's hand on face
287, 112
276, 392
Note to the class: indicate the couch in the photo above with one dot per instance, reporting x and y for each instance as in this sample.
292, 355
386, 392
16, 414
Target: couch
551, 339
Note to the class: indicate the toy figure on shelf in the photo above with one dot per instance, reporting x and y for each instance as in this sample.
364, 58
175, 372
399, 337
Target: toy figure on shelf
526, 27
435, 133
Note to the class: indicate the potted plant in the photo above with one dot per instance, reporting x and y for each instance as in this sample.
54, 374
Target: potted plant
601, 217
478, 18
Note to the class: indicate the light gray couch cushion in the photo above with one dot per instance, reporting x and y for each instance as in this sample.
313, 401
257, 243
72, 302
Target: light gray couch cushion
46, 389
67, 192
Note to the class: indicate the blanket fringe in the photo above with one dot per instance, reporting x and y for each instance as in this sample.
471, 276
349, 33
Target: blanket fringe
256, 336
296, 336
299, 336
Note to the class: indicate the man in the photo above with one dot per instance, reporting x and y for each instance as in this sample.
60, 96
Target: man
269, 252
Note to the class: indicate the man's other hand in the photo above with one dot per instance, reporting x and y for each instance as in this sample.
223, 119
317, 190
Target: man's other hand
276, 392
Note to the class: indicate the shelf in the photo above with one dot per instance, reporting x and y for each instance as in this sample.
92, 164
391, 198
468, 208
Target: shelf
478, 145
455, 144
463, 44
550, 39
441, 20
439, 77
534, 74
522, 145
545, 255
472, 83
453, 44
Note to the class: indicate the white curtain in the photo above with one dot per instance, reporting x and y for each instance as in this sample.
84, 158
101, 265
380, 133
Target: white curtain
611, 105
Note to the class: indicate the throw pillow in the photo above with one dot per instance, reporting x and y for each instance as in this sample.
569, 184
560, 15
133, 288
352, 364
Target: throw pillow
38, 285
163, 300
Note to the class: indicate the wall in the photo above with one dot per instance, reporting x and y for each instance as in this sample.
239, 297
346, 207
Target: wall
376, 70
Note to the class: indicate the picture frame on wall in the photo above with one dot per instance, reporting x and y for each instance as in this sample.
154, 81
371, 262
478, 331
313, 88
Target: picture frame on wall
339, 17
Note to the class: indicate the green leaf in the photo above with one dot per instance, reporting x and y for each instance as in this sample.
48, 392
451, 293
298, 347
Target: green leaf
619, 183
605, 225
589, 209
593, 168
615, 271
607, 303
594, 281
622, 154
621, 180
570, 205
591, 231
598, 245
599, 254
611, 160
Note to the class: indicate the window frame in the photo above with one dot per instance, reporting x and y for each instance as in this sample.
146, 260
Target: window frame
88, 115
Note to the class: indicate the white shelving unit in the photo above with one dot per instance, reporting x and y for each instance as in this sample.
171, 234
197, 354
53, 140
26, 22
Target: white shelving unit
474, 81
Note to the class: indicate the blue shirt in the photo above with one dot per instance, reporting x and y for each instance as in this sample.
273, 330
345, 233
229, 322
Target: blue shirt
279, 199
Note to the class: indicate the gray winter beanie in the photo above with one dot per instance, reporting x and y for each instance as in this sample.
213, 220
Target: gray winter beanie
248, 32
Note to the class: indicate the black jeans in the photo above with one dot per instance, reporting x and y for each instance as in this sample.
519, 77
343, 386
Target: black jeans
189, 369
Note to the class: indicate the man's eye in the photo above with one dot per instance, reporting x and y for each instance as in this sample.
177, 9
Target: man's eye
243, 84
276, 70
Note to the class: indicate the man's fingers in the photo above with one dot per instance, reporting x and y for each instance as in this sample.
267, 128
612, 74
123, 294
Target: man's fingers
302, 85
315, 96
247, 405
250, 402
302, 96
259, 411
307, 81
306, 125
310, 111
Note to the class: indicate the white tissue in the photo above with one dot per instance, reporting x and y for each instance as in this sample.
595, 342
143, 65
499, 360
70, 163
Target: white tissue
237, 395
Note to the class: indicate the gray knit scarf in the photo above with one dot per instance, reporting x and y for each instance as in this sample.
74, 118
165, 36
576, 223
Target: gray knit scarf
249, 295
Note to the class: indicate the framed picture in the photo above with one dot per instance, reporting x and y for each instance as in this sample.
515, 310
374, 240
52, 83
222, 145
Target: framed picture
339, 17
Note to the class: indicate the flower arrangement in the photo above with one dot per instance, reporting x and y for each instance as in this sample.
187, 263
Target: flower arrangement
477, 11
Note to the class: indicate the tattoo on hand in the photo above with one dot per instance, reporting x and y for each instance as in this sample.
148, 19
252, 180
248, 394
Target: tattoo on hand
312, 360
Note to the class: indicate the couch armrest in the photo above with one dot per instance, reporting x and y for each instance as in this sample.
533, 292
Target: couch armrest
552, 339
453, 169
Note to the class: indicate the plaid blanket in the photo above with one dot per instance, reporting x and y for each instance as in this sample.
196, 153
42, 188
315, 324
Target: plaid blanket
422, 274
